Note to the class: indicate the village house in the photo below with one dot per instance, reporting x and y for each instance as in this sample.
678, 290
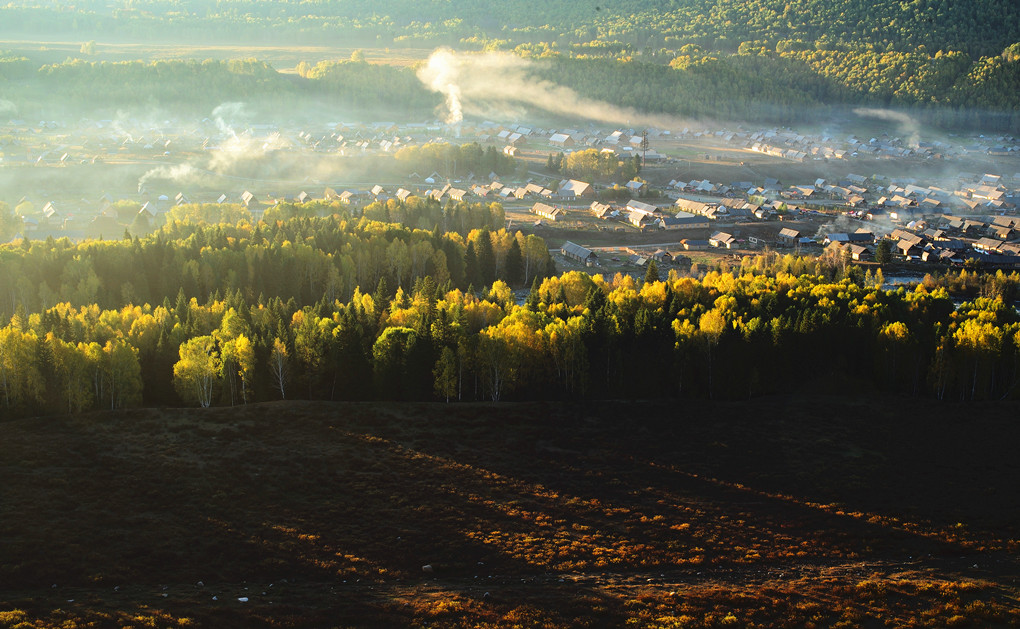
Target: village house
640, 219
683, 220
860, 252
641, 207
547, 211
799, 192
722, 240
907, 248
788, 237
577, 253
603, 210
147, 211
615, 138
573, 189
562, 140
695, 207
636, 187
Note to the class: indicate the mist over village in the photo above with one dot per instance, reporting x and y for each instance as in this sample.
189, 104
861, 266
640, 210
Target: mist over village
464, 314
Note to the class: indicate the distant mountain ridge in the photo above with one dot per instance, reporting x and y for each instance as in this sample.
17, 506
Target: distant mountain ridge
978, 27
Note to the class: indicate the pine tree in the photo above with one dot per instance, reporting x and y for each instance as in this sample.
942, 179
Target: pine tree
514, 273
486, 258
471, 275
652, 272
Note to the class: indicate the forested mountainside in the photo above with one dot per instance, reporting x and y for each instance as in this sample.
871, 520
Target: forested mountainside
755, 85
976, 28
957, 64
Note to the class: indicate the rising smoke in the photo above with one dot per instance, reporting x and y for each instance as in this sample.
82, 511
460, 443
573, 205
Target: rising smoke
7, 107
235, 145
180, 173
500, 83
908, 127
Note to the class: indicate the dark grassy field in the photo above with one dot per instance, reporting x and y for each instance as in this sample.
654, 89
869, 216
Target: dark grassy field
809, 511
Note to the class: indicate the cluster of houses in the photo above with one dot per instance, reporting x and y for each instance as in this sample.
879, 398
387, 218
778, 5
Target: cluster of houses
788, 144
634, 257
942, 239
92, 141
646, 216
956, 240
102, 218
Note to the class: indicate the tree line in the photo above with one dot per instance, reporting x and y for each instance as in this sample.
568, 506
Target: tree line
292, 257
720, 25
762, 80
243, 313
593, 164
451, 160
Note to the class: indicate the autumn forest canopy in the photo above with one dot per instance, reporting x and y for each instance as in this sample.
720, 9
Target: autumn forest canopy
206, 312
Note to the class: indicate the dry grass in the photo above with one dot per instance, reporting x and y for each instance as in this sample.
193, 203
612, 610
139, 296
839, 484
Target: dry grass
782, 512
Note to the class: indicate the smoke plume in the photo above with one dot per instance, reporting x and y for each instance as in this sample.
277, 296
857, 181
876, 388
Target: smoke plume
228, 111
442, 74
501, 83
7, 107
234, 147
908, 127
179, 173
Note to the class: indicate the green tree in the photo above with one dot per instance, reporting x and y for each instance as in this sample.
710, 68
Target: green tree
883, 251
72, 373
389, 361
514, 265
486, 258
652, 272
445, 374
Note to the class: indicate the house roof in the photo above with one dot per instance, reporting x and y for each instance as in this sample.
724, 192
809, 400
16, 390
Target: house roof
694, 206
545, 210
638, 206
577, 251
573, 187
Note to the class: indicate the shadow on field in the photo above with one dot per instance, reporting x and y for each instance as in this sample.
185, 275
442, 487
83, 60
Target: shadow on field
361, 514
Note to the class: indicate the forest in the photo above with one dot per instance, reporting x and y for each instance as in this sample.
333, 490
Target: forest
951, 64
453, 161
781, 82
976, 29
89, 87
338, 308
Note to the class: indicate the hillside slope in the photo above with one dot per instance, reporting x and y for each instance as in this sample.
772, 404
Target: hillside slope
979, 28
777, 513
